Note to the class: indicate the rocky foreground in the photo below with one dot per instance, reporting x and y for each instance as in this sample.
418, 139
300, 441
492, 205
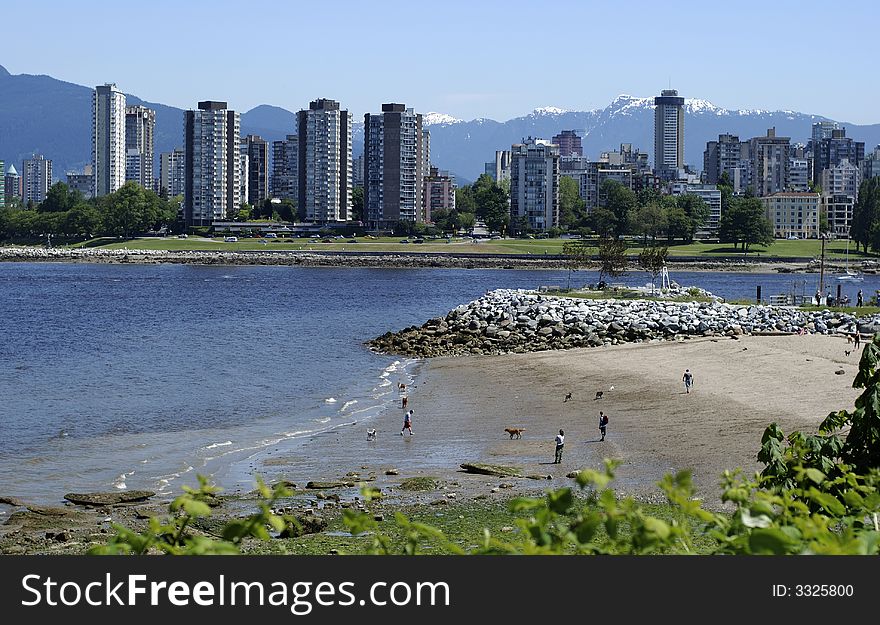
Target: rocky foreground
518, 321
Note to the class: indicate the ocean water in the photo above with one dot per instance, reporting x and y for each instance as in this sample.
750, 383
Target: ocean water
141, 376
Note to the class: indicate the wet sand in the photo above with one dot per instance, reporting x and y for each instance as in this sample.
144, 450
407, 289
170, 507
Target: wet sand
462, 405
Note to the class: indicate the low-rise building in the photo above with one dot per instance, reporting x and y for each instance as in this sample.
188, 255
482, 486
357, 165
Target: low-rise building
793, 213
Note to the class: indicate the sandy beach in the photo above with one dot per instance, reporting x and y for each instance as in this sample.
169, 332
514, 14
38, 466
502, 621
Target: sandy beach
462, 405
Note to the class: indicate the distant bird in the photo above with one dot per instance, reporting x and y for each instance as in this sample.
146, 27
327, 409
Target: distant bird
567, 397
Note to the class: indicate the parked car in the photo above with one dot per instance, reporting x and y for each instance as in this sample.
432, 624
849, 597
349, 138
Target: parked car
418, 241
327, 240
182, 236
352, 241
404, 240
231, 239
270, 235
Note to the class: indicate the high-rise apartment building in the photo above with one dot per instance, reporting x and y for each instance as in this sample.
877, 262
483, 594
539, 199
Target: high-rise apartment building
769, 159
439, 192
668, 131
36, 180
2, 191
172, 172
839, 211
727, 155
357, 172
569, 143
871, 166
499, 169
798, 174
84, 182
843, 178
823, 130
324, 155
257, 150
534, 184
108, 139
394, 164
285, 168
140, 128
212, 189
11, 183
830, 151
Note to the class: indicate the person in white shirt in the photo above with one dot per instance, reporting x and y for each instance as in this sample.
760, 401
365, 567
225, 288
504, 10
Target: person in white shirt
560, 443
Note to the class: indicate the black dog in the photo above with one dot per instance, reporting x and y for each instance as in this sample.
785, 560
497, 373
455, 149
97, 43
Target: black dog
567, 397
599, 394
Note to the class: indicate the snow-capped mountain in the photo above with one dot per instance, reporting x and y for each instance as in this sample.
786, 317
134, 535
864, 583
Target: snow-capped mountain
41, 114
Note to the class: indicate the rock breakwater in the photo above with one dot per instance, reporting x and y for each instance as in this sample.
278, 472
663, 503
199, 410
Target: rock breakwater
518, 321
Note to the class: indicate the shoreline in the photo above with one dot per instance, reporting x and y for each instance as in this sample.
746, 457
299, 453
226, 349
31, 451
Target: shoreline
463, 404
384, 260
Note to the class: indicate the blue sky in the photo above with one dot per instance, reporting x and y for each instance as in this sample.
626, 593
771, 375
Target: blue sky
489, 58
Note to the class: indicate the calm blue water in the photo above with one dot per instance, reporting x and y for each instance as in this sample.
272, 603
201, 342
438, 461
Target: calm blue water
139, 376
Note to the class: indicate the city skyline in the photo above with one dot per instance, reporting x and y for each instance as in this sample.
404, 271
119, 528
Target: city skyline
477, 47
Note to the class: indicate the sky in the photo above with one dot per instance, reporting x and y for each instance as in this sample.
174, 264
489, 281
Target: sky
469, 59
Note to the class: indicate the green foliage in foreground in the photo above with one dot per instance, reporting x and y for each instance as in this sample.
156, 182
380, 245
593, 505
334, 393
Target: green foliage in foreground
816, 495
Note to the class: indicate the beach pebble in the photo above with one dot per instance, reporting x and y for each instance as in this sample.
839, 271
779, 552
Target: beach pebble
495, 490
392, 472
439, 502
505, 485
378, 517
839, 372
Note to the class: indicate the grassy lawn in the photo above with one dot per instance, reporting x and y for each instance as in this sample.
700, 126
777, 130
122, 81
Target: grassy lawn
781, 248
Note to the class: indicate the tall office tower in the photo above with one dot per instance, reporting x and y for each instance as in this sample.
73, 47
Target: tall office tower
285, 168
668, 131
140, 127
393, 166
172, 172
11, 183
257, 150
212, 189
769, 162
108, 139
36, 180
534, 183
569, 143
324, 188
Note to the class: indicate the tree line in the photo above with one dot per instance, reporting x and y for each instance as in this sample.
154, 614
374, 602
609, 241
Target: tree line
66, 216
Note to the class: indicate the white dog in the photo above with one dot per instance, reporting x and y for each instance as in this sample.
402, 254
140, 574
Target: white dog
371, 435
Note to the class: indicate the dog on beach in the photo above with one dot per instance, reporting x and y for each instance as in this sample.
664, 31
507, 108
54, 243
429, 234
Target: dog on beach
847, 352
515, 432
567, 398
371, 435
599, 394
849, 338
404, 401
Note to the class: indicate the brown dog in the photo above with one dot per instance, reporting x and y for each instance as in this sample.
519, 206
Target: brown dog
515, 432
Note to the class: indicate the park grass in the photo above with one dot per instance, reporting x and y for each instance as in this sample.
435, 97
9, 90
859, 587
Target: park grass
782, 248
461, 522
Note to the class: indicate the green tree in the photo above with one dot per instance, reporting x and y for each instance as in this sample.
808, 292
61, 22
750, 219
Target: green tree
602, 221
578, 253
464, 200
287, 210
59, 199
357, 204
696, 211
678, 225
866, 214
744, 223
466, 221
824, 226
83, 220
649, 220
652, 260
129, 210
612, 257
244, 212
621, 201
572, 208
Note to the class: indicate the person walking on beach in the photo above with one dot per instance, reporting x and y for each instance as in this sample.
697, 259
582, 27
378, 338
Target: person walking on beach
688, 379
859, 301
560, 443
857, 338
603, 423
407, 423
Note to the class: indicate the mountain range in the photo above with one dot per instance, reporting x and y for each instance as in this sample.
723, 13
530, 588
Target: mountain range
41, 114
